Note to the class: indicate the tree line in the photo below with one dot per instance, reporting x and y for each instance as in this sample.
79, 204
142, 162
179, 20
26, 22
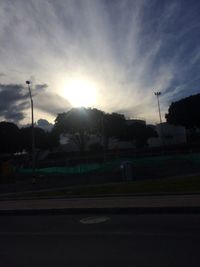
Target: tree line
13, 139
185, 112
81, 123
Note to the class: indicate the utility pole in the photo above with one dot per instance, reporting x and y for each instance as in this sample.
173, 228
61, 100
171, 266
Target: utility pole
32, 128
157, 94
103, 136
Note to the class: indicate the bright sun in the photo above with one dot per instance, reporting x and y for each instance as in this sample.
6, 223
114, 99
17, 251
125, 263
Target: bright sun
80, 93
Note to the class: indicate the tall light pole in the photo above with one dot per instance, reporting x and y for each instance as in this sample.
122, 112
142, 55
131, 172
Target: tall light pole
157, 94
103, 136
32, 127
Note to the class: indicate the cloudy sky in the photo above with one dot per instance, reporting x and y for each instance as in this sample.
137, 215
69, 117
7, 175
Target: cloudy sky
108, 54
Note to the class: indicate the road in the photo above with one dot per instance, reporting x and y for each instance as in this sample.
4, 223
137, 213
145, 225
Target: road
120, 240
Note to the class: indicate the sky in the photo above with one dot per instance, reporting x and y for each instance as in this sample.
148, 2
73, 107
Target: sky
108, 54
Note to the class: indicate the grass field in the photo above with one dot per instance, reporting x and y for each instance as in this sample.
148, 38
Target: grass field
170, 185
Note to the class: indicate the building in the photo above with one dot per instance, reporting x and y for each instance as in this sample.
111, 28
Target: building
169, 135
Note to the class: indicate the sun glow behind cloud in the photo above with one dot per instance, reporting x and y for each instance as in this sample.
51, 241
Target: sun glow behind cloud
107, 54
80, 92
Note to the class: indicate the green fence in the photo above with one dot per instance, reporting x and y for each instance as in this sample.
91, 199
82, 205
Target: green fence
112, 165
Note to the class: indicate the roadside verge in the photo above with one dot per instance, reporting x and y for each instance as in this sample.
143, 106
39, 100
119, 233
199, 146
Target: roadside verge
137, 205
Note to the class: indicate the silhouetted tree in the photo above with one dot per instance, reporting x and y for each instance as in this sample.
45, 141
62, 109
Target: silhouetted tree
114, 125
139, 133
185, 112
43, 140
9, 137
79, 123
53, 139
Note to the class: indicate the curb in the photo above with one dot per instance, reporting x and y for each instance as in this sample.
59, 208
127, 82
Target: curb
135, 210
7, 198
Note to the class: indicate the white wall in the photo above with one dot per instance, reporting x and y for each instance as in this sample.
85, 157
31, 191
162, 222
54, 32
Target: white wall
172, 135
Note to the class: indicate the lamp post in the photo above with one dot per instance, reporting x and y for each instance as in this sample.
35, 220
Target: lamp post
103, 136
32, 127
157, 94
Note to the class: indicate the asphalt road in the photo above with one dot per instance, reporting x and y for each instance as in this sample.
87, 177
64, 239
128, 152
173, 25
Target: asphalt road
121, 240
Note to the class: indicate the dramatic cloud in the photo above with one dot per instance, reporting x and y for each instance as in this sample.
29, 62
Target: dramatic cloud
44, 124
13, 101
128, 48
50, 102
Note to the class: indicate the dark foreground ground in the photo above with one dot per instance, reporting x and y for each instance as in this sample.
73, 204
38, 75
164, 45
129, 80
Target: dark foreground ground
122, 240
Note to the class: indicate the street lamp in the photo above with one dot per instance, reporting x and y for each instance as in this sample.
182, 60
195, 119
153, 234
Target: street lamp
103, 136
32, 126
157, 94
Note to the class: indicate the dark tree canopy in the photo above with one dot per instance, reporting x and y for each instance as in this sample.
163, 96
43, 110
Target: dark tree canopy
9, 137
114, 124
185, 112
43, 139
81, 122
139, 133
13, 139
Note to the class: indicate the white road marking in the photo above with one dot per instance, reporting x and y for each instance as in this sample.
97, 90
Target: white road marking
92, 220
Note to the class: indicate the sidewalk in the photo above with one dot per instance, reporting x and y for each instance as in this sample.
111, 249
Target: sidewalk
138, 204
